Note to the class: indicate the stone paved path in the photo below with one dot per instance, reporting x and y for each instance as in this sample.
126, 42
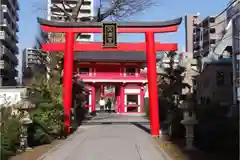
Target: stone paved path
117, 118
107, 142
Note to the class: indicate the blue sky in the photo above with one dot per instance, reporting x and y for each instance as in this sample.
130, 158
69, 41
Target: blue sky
166, 9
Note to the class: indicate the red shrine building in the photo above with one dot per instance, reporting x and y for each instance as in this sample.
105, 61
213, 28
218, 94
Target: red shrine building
121, 70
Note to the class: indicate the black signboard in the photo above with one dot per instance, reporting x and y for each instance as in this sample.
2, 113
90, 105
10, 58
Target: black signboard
109, 35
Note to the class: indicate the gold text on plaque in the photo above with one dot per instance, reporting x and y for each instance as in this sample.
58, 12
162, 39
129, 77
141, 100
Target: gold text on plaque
109, 35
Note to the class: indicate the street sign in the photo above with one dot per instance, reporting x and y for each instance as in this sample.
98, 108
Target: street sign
109, 35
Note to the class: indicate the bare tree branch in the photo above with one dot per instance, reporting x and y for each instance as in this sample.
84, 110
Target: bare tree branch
119, 9
64, 11
64, 2
76, 10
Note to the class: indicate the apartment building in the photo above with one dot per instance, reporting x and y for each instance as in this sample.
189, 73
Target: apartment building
55, 12
30, 57
8, 41
202, 36
190, 22
214, 84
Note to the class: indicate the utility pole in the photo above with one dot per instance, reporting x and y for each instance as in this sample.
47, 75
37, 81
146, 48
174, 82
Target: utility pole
236, 54
1, 50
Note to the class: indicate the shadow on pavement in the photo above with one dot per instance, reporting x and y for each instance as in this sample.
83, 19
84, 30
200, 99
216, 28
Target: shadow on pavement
142, 127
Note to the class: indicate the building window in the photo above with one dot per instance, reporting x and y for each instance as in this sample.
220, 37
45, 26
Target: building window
212, 41
85, 36
84, 70
130, 71
220, 78
212, 30
132, 99
212, 20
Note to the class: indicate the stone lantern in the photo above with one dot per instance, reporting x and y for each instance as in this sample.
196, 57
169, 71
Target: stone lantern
25, 106
189, 120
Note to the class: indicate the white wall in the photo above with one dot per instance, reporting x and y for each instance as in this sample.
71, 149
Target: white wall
11, 95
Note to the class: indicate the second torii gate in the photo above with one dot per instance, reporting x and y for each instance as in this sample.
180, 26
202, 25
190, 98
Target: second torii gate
149, 46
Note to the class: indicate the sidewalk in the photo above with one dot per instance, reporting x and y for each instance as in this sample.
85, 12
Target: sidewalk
106, 142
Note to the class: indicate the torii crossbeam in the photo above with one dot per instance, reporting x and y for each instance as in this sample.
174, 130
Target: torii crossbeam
150, 47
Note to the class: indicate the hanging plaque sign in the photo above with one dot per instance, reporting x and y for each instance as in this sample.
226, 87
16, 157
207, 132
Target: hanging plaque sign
109, 35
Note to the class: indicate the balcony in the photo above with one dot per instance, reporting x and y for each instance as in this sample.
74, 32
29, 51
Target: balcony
9, 29
7, 69
17, 5
16, 38
5, 66
6, 52
7, 26
196, 46
2, 64
113, 77
5, 37
17, 16
7, 13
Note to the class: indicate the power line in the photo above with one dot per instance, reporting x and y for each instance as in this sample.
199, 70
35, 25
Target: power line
226, 19
230, 5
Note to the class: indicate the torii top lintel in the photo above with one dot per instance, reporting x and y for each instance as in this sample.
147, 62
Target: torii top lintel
122, 27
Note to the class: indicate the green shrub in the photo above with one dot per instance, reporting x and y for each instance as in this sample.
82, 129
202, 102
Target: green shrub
38, 134
47, 124
50, 116
10, 137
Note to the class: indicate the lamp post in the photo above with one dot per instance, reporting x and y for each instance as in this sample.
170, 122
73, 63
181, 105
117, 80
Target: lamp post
189, 120
24, 107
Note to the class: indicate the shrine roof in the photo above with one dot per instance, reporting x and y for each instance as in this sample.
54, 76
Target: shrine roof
110, 56
166, 23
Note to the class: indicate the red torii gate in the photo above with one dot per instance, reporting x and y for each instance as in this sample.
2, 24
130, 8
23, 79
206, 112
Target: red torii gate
149, 46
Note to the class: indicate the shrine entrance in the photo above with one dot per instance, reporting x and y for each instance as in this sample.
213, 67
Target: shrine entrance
149, 47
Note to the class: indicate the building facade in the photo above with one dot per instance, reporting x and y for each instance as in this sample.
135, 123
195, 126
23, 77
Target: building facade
215, 83
235, 10
86, 13
8, 42
190, 22
202, 36
30, 58
95, 70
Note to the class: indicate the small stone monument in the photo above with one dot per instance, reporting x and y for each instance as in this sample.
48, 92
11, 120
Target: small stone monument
24, 107
189, 120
